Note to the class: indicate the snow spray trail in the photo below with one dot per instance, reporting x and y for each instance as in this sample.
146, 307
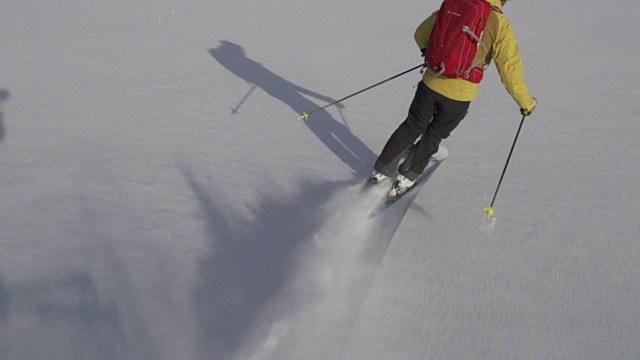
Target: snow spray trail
313, 316
252, 258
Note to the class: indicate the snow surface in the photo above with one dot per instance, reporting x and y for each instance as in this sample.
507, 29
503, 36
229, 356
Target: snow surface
159, 199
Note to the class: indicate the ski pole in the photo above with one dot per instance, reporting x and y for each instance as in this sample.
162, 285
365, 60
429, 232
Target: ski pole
305, 116
490, 211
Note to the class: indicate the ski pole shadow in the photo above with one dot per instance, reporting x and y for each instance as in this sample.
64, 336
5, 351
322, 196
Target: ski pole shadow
250, 259
335, 135
4, 96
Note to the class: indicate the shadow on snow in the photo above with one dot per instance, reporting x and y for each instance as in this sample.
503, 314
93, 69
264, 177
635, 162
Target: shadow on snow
335, 136
250, 259
4, 95
69, 301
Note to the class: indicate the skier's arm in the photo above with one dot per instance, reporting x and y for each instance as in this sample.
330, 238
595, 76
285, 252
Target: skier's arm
506, 55
423, 32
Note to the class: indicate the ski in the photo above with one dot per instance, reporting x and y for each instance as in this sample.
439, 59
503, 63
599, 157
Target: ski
370, 184
387, 202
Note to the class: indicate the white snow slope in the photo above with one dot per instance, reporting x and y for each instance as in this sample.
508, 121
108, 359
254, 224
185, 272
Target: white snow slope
159, 199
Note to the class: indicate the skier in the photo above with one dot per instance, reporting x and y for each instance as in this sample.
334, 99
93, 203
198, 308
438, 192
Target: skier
441, 102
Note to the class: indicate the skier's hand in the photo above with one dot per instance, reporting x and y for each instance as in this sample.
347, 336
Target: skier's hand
423, 51
529, 109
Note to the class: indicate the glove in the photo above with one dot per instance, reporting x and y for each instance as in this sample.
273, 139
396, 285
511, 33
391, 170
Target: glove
423, 51
529, 109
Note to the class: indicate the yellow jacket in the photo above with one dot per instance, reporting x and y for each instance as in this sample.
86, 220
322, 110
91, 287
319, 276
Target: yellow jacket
500, 38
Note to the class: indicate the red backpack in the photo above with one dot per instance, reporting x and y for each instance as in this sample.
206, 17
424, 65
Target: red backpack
455, 38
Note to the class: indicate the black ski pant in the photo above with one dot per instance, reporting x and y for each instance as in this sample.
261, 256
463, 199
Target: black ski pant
431, 115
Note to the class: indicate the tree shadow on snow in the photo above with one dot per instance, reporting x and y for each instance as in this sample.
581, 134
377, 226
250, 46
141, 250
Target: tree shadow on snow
69, 301
5, 301
336, 136
250, 259
4, 95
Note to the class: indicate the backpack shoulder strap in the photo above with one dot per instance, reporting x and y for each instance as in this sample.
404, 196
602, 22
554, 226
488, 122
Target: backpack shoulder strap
496, 9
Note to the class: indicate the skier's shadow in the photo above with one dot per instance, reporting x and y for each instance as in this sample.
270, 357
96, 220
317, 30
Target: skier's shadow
336, 136
4, 95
